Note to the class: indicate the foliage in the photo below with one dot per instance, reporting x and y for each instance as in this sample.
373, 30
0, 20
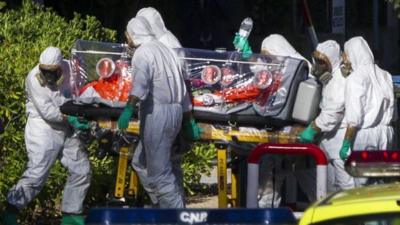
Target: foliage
24, 33
396, 6
2, 5
197, 162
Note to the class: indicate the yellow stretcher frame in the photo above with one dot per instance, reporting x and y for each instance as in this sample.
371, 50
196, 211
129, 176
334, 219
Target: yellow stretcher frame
221, 137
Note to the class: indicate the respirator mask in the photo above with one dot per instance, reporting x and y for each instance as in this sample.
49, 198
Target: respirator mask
321, 68
50, 76
130, 48
346, 68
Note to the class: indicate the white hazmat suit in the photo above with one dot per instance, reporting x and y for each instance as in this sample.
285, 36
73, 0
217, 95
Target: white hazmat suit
159, 84
273, 169
330, 119
48, 137
163, 35
369, 100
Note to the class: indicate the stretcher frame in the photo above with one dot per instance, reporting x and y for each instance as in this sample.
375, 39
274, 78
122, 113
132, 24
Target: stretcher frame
220, 137
291, 149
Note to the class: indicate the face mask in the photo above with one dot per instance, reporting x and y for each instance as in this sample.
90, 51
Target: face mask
130, 47
321, 70
130, 51
50, 78
321, 73
317, 70
325, 77
346, 68
321, 66
130, 41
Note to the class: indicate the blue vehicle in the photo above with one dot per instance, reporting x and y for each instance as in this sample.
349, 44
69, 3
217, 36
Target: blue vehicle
131, 216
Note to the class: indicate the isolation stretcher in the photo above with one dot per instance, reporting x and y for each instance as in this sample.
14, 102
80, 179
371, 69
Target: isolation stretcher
253, 99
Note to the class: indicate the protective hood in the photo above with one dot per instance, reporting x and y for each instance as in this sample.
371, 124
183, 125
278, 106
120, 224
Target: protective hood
362, 62
276, 44
358, 52
155, 20
158, 27
369, 83
331, 50
139, 30
51, 57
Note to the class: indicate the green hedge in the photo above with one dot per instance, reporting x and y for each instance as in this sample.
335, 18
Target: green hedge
197, 162
24, 34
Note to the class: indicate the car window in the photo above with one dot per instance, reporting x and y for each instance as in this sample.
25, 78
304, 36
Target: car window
376, 219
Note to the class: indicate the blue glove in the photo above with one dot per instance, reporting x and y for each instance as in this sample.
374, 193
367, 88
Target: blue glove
308, 135
78, 124
242, 45
345, 150
191, 129
125, 117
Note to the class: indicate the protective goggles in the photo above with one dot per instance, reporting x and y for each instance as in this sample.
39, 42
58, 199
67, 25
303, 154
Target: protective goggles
50, 75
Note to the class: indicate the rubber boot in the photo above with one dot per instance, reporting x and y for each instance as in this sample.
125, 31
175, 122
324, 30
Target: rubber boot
72, 220
9, 215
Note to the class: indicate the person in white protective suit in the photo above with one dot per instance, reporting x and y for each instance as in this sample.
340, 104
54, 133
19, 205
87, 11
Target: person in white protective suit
276, 44
369, 102
326, 68
157, 25
160, 89
49, 136
275, 168
163, 35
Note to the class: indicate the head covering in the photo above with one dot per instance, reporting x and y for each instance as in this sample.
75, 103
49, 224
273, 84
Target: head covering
358, 52
276, 44
362, 62
139, 30
158, 27
155, 20
331, 50
51, 57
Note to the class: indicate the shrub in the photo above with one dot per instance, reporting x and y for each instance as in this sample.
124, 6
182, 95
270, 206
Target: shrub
197, 162
24, 34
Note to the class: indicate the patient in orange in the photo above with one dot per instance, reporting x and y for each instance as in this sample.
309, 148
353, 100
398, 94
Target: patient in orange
114, 83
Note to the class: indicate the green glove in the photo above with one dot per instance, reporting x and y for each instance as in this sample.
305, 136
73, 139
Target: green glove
242, 45
345, 150
192, 130
72, 220
246, 52
8, 217
308, 135
239, 42
125, 117
78, 124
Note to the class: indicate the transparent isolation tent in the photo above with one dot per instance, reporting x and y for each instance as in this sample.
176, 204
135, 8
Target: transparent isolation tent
224, 86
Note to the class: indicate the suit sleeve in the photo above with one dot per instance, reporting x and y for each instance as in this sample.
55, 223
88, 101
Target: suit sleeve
42, 99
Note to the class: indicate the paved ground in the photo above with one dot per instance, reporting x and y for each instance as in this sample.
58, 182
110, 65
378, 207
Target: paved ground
203, 202
209, 200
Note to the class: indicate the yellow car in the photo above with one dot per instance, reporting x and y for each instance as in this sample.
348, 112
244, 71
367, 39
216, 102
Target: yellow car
372, 205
